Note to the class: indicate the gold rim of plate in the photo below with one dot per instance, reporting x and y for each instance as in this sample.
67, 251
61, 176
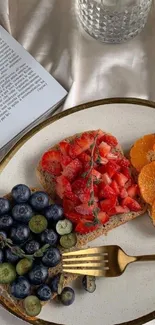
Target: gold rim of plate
7, 304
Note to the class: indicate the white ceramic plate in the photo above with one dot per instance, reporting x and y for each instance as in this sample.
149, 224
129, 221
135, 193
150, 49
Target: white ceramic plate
116, 300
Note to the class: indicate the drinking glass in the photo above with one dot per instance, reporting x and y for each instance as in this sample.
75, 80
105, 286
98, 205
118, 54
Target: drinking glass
113, 21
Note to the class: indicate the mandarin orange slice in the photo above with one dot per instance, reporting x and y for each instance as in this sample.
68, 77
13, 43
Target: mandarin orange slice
146, 182
143, 151
152, 213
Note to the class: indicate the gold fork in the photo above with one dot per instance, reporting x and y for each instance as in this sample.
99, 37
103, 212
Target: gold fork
107, 261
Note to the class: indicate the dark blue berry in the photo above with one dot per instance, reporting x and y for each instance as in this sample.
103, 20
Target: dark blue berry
22, 212
6, 222
88, 283
54, 212
54, 283
21, 193
39, 200
44, 292
38, 274
1, 256
52, 257
19, 233
10, 257
49, 236
31, 247
4, 206
67, 296
20, 288
3, 235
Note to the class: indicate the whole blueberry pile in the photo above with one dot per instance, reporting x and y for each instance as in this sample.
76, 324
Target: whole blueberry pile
30, 230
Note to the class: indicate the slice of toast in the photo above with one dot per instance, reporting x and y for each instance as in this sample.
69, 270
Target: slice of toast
46, 180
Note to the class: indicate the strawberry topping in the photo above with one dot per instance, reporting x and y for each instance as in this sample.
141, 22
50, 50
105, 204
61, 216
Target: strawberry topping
93, 179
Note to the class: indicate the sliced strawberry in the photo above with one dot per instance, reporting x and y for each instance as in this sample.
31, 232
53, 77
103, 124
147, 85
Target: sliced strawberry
74, 150
73, 197
81, 144
86, 140
96, 174
104, 149
62, 186
107, 204
64, 147
101, 190
103, 217
100, 134
50, 162
68, 205
72, 170
102, 169
112, 156
133, 191
85, 227
126, 171
115, 187
110, 140
85, 209
103, 161
123, 162
65, 160
112, 168
106, 179
81, 189
73, 216
132, 204
120, 179
118, 210
84, 158
123, 193
107, 192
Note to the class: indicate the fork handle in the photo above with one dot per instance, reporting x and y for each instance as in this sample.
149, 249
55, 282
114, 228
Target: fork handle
145, 258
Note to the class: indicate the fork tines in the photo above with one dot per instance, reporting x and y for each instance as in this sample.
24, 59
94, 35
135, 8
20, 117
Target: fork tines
90, 261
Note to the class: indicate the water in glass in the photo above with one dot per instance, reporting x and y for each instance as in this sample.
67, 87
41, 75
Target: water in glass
113, 21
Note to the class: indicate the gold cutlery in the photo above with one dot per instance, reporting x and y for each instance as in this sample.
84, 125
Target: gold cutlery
107, 261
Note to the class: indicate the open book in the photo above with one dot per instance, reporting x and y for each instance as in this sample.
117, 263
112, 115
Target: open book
28, 93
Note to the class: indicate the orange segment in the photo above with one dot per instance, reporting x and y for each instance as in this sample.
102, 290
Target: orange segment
152, 213
139, 153
146, 181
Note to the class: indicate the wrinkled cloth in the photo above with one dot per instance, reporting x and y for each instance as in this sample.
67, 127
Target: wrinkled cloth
88, 69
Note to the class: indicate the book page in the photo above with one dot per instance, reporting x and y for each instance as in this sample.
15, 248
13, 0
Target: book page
27, 90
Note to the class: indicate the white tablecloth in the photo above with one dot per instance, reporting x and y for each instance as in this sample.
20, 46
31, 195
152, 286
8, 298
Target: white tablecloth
88, 69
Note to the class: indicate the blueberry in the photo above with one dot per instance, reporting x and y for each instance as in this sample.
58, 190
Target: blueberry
38, 274
1, 256
67, 296
10, 257
31, 247
54, 283
49, 236
3, 235
52, 257
88, 283
19, 233
4, 206
39, 200
20, 288
21, 193
22, 212
54, 212
44, 292
6, 222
